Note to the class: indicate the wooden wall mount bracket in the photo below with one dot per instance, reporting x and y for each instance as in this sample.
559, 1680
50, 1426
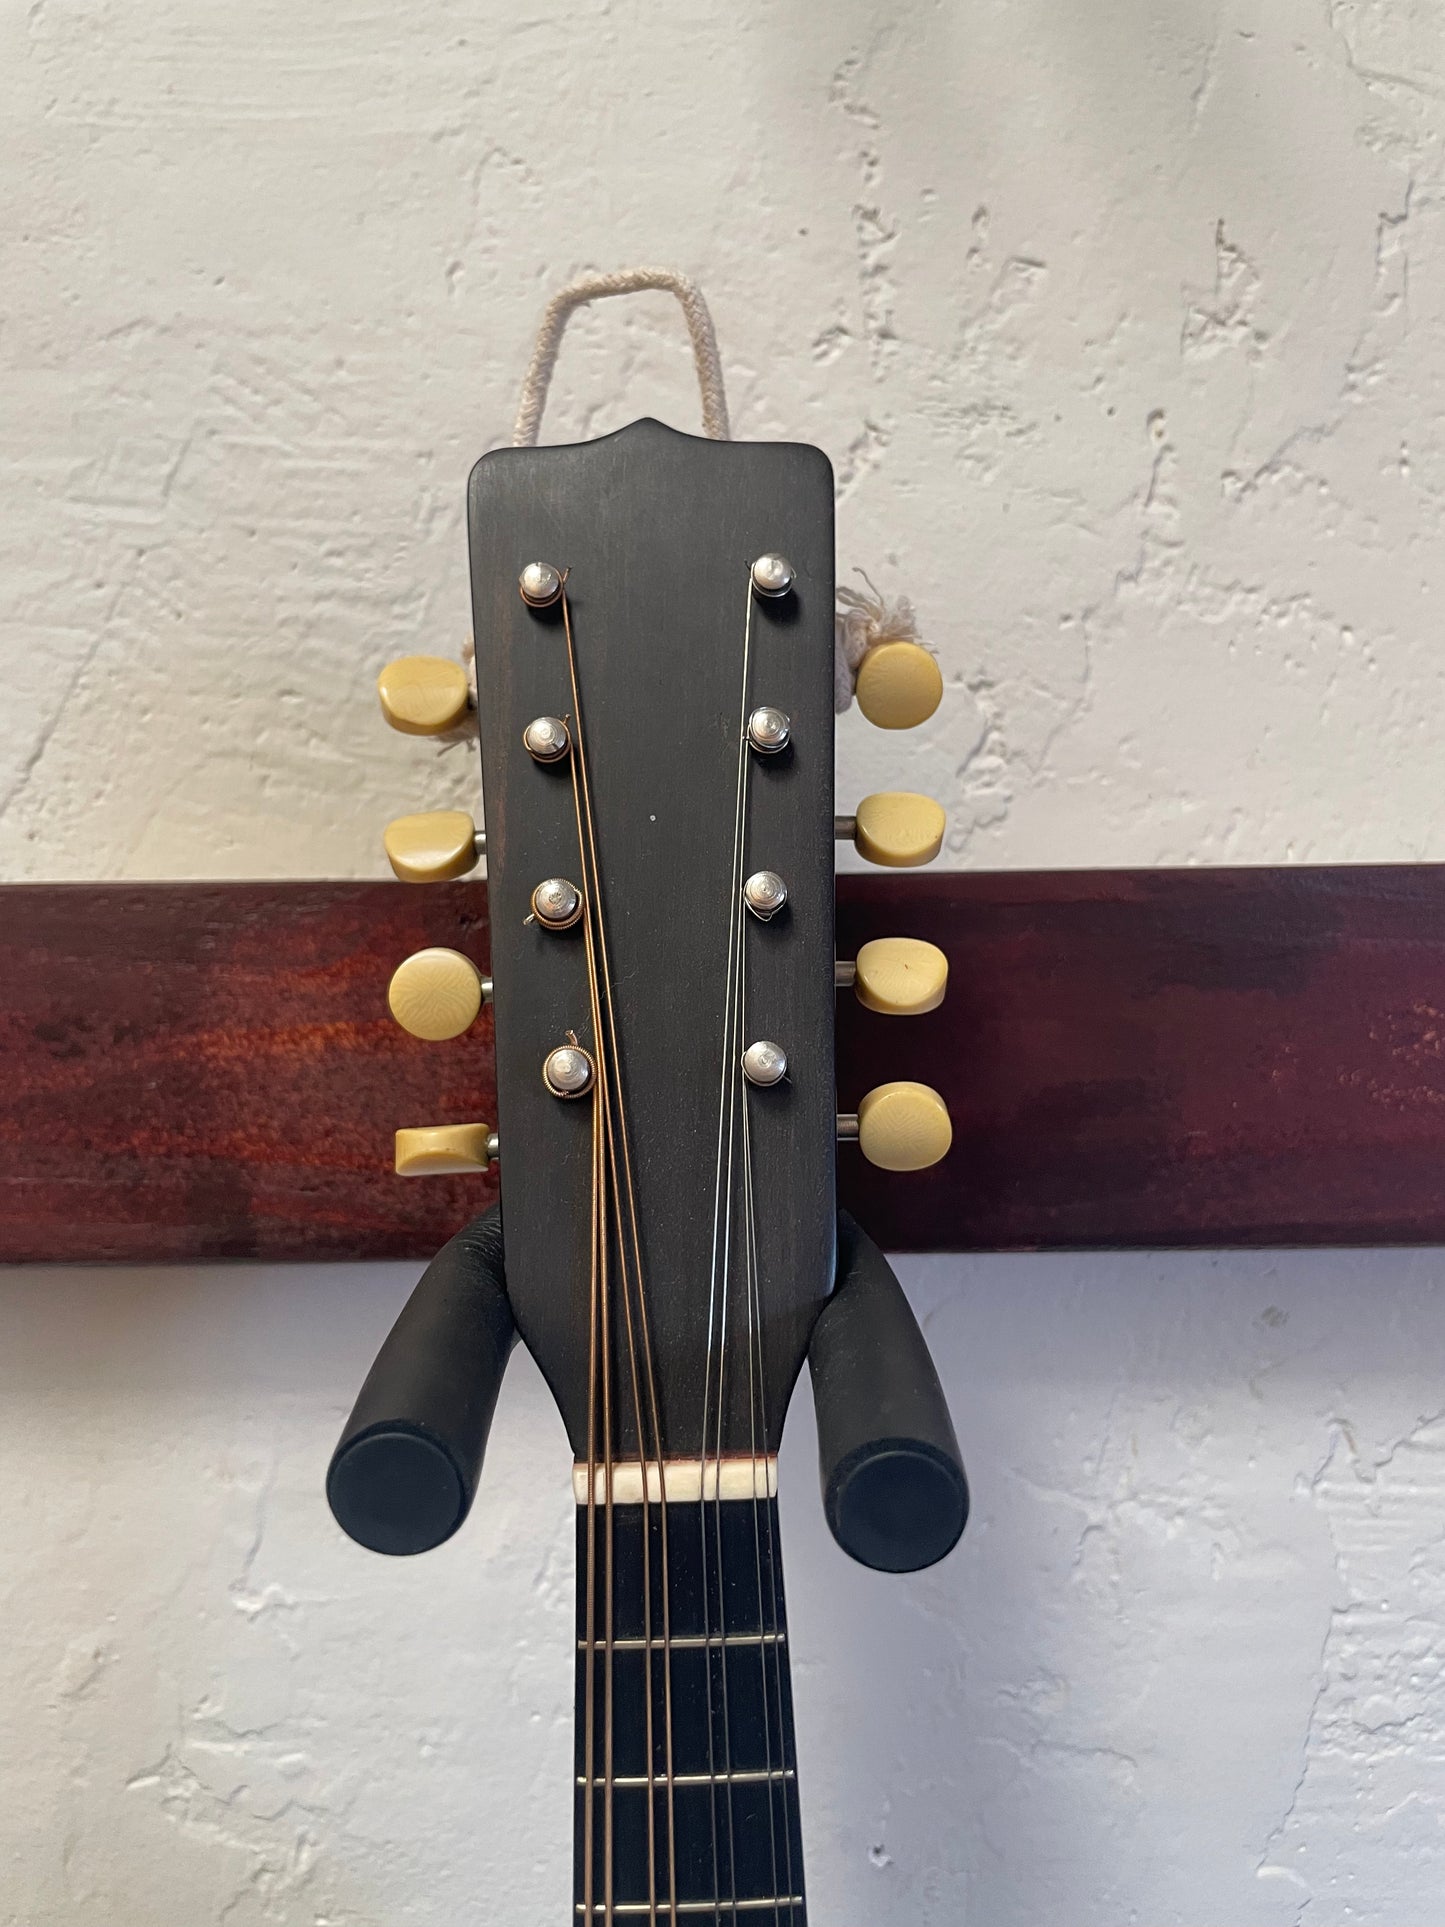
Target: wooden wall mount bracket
1132, 1059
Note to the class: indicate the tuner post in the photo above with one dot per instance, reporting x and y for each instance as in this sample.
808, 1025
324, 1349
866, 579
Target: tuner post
773, 576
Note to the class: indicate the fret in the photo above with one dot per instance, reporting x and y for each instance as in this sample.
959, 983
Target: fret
664, 1908
684, 1642
744, 1776
730, 1804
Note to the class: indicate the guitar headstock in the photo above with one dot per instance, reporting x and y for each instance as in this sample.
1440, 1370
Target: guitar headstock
654, 622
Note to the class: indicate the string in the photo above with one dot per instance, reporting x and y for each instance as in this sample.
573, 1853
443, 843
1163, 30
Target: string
756, 1393
589, 1790
601, 1250
610, 1130
718, 1288
755, 1322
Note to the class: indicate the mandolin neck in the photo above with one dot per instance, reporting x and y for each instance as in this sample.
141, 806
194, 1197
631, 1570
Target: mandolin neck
690, 1810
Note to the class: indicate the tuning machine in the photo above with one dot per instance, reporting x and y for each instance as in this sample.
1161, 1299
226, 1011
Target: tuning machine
424, 695
896, 976
895, 829
433, 846
900, 1127
899, 685
442, 1150
437, 994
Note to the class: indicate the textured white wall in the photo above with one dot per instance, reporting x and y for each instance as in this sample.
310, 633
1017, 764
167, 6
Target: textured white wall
1122, 324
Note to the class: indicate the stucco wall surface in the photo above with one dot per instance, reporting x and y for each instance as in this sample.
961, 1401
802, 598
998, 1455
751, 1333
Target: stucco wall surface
1123, 327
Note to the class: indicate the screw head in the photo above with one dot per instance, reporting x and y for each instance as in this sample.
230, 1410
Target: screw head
765, 1063
765, 893
773, 575
568, 1071
547, 739
540, 584
557, 903
769, 730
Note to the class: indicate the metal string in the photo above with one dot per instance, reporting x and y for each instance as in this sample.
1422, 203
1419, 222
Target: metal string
610, 1130
718, 1289
755, 1321
589, 1716
756, 1395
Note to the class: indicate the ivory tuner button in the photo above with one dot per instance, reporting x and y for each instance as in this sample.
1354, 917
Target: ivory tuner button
898, 829
899, 685
900, 976
903, 1127
437, 1150
423, 695
436, 994
432, 846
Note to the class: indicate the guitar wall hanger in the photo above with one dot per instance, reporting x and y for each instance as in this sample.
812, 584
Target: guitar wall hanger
675, 1040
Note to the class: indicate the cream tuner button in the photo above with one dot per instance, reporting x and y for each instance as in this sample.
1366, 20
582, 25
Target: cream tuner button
433, 846
899, 685
437, 1150
896, 829
437, 994
903, 1127
900, 976
423, 695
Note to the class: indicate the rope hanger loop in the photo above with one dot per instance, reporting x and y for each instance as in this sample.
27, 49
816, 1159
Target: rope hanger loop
596, 287
863, 620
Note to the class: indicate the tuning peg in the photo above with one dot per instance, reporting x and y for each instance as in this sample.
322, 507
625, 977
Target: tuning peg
423, 695
898, 976
434, 845
900, 1127
434, 1150
895, 828
899, 685
437, 994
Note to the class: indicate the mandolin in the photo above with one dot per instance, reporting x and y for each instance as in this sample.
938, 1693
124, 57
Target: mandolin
654, 624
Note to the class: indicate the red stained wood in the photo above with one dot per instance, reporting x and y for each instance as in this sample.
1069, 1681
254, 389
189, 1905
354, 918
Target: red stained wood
1151, 1058
1199, 1057
209, 1071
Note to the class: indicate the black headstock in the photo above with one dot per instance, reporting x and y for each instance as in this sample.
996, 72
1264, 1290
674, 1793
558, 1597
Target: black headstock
730, 1182
654, 622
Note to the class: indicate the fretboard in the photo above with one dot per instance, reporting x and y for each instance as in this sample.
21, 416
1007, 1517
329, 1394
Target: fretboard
724, 1843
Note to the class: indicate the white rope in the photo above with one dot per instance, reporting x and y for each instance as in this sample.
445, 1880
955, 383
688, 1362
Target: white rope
864, 618
595, 287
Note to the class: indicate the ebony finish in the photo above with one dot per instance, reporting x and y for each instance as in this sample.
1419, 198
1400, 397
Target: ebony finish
658, 532
894, 1489
735, 1817
1132, 1059
404, 1473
